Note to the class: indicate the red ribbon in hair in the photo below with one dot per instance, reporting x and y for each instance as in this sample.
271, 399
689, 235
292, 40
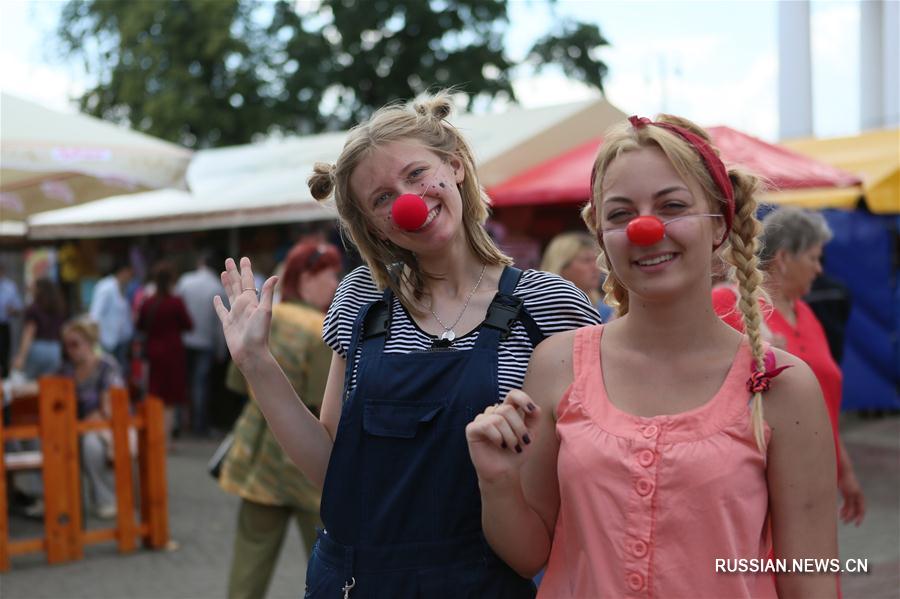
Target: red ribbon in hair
760, 380
711, 160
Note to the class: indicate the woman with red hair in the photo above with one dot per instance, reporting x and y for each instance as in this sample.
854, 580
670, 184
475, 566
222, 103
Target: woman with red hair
271, 488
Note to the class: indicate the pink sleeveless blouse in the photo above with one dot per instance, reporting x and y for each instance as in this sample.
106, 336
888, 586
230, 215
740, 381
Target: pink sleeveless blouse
647, 505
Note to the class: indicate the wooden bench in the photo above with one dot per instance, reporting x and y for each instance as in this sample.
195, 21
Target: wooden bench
57, 427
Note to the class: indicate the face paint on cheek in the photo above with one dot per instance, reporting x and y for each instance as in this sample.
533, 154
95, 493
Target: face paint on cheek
442, 185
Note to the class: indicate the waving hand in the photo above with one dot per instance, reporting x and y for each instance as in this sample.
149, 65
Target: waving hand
246, 324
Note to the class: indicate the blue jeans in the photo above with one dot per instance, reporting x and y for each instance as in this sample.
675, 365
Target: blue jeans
44, 357
199, 362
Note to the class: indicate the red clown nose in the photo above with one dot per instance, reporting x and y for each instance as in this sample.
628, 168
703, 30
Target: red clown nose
645, 230
409, 211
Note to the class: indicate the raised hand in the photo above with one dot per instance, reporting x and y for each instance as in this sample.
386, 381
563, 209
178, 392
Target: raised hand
499, 437
246, 324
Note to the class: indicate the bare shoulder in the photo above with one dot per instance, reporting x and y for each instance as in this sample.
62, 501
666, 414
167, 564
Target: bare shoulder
550, 369
794, 394
555, 350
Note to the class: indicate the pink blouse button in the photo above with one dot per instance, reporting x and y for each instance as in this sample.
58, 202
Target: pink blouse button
650, 431
639, 548
643, 487
646, 458
635, 581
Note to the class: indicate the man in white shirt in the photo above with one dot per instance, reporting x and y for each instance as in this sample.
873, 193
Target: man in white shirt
10, 307
197, 289
110, 310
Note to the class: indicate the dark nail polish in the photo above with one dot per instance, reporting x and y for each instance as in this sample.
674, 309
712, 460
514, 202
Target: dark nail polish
518, 449
526, 438
531, 407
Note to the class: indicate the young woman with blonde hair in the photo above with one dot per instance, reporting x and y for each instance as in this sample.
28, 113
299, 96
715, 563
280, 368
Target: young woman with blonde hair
433, 329
650, 461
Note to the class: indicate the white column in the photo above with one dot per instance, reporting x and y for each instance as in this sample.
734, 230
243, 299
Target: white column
871, 96
795, 116
891, 62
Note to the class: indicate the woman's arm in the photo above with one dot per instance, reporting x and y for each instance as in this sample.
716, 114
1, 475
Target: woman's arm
853, 508
184, 318
514, 449
801, 476
28, 332
306, 439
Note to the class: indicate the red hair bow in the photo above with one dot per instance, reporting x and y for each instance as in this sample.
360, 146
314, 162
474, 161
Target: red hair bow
760, 381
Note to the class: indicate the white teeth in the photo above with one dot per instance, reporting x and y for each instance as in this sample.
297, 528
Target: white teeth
432, 214
656, 260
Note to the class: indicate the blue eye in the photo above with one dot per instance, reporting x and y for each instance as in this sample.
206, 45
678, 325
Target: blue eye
415, 173
381, 199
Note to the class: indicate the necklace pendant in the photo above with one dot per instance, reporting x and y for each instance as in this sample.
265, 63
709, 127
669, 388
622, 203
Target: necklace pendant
448, 335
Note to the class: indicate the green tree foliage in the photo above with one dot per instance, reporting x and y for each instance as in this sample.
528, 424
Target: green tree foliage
217, 72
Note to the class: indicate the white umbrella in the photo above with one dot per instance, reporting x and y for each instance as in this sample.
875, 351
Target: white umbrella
52, 160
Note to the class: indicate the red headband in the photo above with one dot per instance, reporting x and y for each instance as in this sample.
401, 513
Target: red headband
713, 163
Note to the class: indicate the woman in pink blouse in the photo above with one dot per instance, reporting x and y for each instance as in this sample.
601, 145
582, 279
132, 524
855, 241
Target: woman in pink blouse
640, 459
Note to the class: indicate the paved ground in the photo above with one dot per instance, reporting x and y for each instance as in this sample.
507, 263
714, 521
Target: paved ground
202, 520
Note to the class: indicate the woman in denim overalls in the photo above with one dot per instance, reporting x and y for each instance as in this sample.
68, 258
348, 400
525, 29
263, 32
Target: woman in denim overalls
400, 505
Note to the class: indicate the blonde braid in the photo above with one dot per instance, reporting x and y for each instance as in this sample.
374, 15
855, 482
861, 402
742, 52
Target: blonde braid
741, 253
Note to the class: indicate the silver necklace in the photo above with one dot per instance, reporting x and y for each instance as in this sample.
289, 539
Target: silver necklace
449, 334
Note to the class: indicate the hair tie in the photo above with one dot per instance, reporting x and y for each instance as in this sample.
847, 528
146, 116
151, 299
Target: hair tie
760, 381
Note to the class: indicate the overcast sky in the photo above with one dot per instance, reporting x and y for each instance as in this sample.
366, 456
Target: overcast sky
715, 62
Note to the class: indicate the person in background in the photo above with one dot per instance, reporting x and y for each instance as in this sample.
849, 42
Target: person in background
271, 487
10, 307
791, 257
109, 309
573, 256
95, 373
163, 319
40, 350
197, 289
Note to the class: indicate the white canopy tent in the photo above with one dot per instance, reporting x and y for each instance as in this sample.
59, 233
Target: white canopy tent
52, 159
166, 211
266, 183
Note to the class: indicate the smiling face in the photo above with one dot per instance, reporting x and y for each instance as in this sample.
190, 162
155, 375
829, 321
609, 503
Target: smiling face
406, 166
644, 182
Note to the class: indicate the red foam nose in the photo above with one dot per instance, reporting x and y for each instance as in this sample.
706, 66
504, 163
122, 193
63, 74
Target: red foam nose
645, 230
409, 211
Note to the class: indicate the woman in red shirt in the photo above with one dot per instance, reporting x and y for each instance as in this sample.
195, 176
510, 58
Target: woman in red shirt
163, 318
790, 255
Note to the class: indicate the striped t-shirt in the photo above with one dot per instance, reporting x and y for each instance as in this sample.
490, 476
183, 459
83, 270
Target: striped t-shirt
554, 303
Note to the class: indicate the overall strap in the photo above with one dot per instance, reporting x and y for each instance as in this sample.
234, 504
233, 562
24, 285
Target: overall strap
370, 329
506, 308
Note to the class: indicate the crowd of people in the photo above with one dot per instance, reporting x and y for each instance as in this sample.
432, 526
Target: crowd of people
443, 422
145, 341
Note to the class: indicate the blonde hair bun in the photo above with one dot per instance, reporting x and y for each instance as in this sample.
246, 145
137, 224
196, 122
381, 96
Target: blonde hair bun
438, 106
321, 182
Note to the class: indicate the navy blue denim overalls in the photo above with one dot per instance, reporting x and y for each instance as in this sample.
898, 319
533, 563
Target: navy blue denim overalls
401, 506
